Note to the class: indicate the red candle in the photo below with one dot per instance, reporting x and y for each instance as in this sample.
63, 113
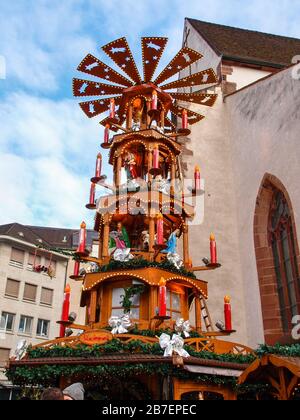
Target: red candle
156, 157
76, 268
154, 100
82, 238
184, 119
112, 108
92, 193
162, 298
160, 230
98, 166
197, 177
227, 314
213, 249
106, 133
65, 309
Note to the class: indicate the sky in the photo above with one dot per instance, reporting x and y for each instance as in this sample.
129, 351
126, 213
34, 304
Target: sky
47, 145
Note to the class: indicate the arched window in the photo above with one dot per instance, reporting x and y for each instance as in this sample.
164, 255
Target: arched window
278, 258
281, 238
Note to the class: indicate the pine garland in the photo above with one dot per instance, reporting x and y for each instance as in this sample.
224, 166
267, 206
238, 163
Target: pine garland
292, 350
133, 347
63, 251
130, 292
139, 263
47, 375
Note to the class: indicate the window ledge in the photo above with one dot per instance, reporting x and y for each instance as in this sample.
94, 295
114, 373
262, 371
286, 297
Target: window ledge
29, 301
46, 275
31, 270
24, 334
42, 338
16, 265
45, 305
7, 332
11, 297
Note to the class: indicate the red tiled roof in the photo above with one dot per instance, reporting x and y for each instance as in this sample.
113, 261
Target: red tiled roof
23, 233
248, 46
48, 236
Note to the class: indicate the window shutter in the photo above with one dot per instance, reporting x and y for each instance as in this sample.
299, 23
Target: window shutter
30, 292
4, 356
47, 296
17, 255
12, 288
31, 259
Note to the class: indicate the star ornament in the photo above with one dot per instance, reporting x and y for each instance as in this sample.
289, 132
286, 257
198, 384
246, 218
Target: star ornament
153, 46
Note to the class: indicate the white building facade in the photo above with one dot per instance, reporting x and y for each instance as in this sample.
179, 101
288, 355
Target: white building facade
248, 142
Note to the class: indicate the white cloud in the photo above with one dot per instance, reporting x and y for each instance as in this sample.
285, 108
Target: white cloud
41, 42
15, 176
2, 67
47, 153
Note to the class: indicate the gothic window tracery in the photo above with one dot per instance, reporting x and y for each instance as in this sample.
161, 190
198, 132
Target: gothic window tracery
282, 241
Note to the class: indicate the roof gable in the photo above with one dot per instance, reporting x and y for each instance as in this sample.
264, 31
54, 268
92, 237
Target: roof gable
248, 46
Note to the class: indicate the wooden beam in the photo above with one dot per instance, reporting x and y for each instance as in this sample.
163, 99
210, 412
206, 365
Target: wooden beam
283, 385
129, 118
150, 164
118, 172
274, 383
153, 302
151, 233
105, 239
198, 314
93, 307
294, 382
173, 177
202, 268
78, 327
186, 253
162, 119
148, 116
120, 128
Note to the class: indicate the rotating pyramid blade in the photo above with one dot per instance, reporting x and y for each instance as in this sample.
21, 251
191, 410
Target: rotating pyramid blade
152, 51
121, 54
205, 77
87, 88
184, 58
91, 65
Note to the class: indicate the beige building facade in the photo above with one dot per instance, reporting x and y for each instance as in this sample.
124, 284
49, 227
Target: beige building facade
31, 302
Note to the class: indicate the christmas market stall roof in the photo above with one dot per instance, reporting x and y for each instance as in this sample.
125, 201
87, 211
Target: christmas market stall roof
247, 46
151, 276
192, 364
282, 373
99, 355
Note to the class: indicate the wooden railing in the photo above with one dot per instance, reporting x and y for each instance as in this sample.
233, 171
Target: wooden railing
199, 344
218, 346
